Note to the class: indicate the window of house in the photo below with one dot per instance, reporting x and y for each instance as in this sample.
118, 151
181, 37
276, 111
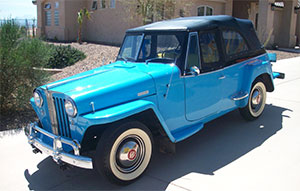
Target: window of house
56, 14
209, 51
47, 6
94, 5
48, 18
56, 17
56, 5
112, 4
234, 43
102, 4
205, 10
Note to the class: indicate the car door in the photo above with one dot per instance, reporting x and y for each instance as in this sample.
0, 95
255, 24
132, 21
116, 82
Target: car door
203, 92
236, 51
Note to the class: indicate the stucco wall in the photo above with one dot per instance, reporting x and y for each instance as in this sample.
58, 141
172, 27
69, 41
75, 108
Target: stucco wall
71, 9
240, 9
53, 31
191, 7
277, 25
108, 25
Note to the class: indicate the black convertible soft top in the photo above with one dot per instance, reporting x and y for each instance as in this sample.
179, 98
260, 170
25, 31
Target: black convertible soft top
201, 23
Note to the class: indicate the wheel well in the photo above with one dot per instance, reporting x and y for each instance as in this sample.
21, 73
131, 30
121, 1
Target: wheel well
266, 79
147, 117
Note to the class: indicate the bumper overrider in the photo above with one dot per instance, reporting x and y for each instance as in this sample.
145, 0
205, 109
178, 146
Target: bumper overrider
56, 151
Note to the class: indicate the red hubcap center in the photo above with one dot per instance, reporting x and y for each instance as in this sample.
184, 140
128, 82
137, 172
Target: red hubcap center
131, 154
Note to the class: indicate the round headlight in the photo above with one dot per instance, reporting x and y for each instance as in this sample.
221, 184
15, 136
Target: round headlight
38, 100
70, 108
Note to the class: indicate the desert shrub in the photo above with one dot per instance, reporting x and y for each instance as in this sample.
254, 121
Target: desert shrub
18, 56
62, 56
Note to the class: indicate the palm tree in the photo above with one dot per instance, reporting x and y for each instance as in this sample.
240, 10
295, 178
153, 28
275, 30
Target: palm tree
80, 18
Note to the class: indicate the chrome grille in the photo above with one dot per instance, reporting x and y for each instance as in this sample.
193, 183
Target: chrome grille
61, 117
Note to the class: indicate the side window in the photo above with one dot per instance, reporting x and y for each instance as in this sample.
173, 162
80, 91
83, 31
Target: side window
168, 46
160, 46
234, 43
193, 52
209, 51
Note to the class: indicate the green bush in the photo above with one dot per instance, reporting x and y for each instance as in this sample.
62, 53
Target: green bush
62, 56
18, 56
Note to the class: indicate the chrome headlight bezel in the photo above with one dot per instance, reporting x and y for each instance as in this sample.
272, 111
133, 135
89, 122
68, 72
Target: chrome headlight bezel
38, 99
70, 108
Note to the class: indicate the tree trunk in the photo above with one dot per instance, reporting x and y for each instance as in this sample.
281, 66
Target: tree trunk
79, 34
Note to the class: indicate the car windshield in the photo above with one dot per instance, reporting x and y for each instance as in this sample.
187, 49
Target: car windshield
155, 47
130, 47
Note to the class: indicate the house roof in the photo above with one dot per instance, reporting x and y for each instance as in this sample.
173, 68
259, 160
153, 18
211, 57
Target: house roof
194, 23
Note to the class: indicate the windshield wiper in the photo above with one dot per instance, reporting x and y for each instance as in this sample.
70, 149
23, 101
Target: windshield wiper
159, 59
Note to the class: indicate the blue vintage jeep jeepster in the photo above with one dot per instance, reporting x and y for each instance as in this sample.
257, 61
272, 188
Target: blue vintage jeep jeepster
169, 79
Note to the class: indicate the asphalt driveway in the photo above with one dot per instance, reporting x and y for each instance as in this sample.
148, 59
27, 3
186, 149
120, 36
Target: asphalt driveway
228, 154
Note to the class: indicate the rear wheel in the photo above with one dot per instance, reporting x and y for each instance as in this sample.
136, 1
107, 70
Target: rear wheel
256, 102
124, 152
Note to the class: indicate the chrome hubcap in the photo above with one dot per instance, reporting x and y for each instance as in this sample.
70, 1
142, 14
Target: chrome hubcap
130, 154
256, 100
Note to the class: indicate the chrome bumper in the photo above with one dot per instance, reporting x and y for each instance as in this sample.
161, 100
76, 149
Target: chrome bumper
57, 152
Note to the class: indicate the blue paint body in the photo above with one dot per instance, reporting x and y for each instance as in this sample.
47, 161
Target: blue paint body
191, 101
182, 103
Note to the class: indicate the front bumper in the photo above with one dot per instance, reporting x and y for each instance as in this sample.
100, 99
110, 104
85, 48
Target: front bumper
56, 151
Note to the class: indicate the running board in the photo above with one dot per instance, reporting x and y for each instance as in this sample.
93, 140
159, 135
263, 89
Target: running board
240, 96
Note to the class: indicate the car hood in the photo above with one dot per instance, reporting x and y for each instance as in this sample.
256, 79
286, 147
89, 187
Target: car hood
105, 86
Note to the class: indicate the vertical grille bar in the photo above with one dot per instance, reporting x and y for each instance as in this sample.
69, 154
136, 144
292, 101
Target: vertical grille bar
59, 119
60, 124
57, 116
63, 124
62, 118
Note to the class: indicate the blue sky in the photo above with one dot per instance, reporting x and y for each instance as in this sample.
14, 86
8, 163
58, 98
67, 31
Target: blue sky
22, 9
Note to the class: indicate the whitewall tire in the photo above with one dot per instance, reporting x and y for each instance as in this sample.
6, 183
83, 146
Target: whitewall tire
256, 102
124, 152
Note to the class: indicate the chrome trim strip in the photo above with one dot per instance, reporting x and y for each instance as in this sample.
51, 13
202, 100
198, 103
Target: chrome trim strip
57, 152
52, 112
240, 98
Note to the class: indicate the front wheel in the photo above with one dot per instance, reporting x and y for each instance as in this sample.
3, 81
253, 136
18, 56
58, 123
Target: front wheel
124, 152
256, 102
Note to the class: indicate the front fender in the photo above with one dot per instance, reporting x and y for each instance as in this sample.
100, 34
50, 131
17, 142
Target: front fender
123, 111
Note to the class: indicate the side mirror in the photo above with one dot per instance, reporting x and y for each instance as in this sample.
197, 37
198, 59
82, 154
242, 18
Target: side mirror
194, 70
272, 57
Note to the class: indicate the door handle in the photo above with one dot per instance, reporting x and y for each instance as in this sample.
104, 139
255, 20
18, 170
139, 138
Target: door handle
222, 77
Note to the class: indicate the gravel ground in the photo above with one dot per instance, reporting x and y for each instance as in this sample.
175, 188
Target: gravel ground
283, 55
97, 55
